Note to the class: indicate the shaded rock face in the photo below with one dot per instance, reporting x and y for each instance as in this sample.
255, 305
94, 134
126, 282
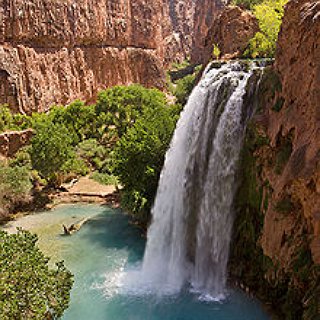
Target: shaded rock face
297, 119
178, 30
12, 141
206, 11
232, 30
56, 51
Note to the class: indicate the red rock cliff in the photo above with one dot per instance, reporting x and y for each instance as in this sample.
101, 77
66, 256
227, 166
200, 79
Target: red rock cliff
295, 116
206, 11
56, 51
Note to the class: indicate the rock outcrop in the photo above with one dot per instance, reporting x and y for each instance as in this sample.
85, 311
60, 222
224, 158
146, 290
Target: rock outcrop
178, 30
232, 30
56, 51
12, 141
206, 12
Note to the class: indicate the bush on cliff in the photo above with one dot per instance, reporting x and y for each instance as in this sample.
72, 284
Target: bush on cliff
29, 289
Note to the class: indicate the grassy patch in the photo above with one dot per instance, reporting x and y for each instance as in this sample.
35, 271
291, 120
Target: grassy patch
104, 178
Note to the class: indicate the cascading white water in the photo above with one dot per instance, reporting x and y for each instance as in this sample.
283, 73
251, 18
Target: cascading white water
188, 240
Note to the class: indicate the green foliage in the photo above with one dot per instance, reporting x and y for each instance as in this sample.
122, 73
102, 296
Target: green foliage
10, 121
22, 158
15, 185
278, 105
28, 288
79, 119
51, 149
175, 66
95, 154
75, 165
6, 119
183, 88
104, 178
120, 106
269, 14
139, 155
216, 51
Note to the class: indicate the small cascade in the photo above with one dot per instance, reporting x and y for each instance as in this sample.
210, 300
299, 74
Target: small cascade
188, 240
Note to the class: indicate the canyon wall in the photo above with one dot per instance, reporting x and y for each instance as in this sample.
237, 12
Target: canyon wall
56, 51
178, 30
206, 11
276, 250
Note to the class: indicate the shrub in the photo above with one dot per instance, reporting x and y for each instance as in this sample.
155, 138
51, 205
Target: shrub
95, 154
6, 119
105, 178
28, 288
184, 88
79, 119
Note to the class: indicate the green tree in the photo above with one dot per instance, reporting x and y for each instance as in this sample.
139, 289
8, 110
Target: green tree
120, 106
139, 155
184, 88
79, 119
269, 14
29, 289
51, 148
15, 186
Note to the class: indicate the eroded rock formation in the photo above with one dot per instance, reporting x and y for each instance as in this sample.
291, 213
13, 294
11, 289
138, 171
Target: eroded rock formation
206, 11
53, 51
232, 30
178, 29
13, 141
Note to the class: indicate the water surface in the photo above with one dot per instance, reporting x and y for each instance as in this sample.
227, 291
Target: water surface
100, 256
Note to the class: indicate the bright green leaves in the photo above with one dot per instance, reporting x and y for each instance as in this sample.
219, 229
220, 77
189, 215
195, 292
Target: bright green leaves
269, 14
28, 288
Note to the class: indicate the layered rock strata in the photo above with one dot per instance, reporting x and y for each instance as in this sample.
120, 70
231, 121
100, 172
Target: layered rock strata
53, 51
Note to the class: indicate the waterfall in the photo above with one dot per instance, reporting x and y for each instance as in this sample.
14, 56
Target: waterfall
188, 240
